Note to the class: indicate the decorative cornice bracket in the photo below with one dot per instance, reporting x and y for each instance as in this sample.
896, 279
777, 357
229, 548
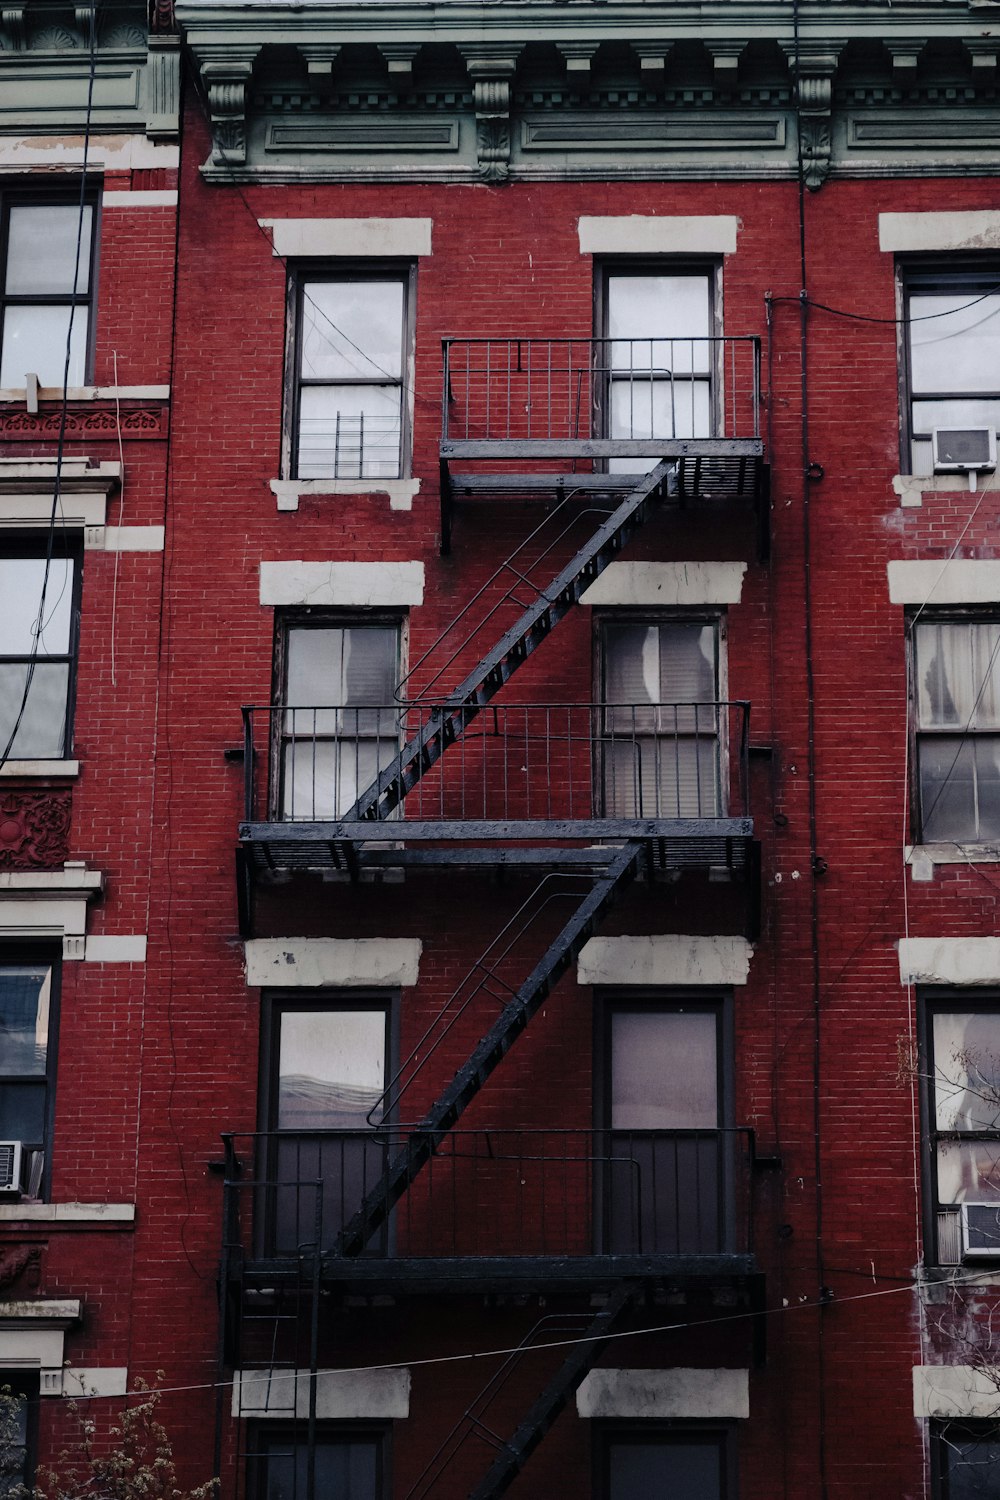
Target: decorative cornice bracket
814, 66
319, 58
226, 79
726, 62
577, 56
12, 37
399, 57
491, 68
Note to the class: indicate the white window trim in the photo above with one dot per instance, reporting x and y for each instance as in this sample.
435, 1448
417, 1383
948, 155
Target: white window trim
667, 585
333, 962
658, 234
90, 393
349, 239
39, 905
27, 488
664, 959
28, 768
953, 1391
66, 1213
944, 581
951, 961
659, 1394
351, 585
400, 493
140, 198
341, 1395
32, 1338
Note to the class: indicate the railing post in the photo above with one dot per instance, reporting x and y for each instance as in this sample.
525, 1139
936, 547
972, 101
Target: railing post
249, 800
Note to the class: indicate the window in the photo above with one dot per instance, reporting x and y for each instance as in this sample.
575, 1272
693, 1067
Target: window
965, 1460
952, 352
338, 726
961, 1068
37, 655
17, 1434
326, 1070
47, 292
27, 1061
662, 1111
657, 358
350, 353
647, 1462
348, 1466
956, 694
660, 739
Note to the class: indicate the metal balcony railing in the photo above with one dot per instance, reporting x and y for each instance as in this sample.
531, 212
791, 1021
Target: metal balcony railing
504, 1193
598, 397
522, 763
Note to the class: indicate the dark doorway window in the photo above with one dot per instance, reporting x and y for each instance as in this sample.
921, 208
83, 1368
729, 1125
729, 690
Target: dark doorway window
675, 1464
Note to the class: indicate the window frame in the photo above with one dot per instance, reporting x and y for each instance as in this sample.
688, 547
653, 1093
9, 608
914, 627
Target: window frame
718, 620
665, 1432
26, 194
973, 1428
263, 1434
16, 956
951, 615
707, 267
941, 269
930, 1003
32, 545
23, 1383
332, 270
658, 999
319, 617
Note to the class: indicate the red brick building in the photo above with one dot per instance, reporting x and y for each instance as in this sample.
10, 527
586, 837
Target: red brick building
583, 1084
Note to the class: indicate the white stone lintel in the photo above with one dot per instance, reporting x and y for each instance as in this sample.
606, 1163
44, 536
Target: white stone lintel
140, 198
665, 959
355, 585
333, 962
67, 1213
957, 961
32, 1337
911, 488
667, 584
659, 234
954, 1391
341, 1395
400, 493
16, 393
659, 1394
956, 229
92, 1380
102, 153
944, 581
120, 948
297, 239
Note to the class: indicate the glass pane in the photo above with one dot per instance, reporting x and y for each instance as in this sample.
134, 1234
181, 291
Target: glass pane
42, 731
958, 675
959, 788
665, 1471
34, 343
930, 414
972, 1464
967, 1070
641, 307
324, 778
968, 1170
21, 580
343, 665
349, 432
344, 1471
331, 1069
648, 776
41, 249
22, 1112
664, 1070
24, 1020
660, 409
959, 351
352, 329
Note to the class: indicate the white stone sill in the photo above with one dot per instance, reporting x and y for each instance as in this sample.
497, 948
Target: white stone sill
911, 488
19, 395
40, 768
67, 1213
923, 857
399, 492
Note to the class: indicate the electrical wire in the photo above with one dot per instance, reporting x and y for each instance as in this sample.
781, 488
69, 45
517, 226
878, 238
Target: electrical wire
840, 312
56, 510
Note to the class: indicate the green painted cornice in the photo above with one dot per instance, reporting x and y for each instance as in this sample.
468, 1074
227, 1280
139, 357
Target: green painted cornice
772, 98
45, 67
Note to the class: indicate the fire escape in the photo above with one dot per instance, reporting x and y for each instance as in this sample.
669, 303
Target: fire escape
585, 797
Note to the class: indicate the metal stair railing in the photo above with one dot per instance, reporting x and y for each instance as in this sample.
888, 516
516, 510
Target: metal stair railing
447, 723
490, 1051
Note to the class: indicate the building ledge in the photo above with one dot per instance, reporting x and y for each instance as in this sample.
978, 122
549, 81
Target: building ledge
40, 768
399, 492
66, 1213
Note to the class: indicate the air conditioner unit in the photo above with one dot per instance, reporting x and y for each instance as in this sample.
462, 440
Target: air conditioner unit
13, 1168
980, 1230
964, 450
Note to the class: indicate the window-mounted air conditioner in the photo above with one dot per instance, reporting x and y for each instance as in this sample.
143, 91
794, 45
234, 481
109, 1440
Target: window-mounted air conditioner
964, 450
13, 1168
980, 1230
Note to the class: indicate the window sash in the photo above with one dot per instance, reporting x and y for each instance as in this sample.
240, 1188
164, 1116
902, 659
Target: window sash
34, 318
955, 666
951, 363
44, 730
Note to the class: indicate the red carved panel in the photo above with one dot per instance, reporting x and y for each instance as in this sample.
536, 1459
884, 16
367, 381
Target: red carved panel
34, 828
82, 422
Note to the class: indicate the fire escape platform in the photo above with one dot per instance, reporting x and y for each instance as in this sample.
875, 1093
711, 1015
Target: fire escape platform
674, 843
527, 1274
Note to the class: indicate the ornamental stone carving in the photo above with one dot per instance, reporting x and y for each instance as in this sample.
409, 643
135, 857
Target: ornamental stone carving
144, 421
227, 80
814, 68
34, 828
491, 70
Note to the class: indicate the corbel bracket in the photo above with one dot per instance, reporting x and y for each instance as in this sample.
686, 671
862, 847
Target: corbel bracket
491, 70
725, 62
319, 59
652, 57
983, 51
399, 57
814, 67
905, 56
12, 37
577, 57
226, 79
161, 17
